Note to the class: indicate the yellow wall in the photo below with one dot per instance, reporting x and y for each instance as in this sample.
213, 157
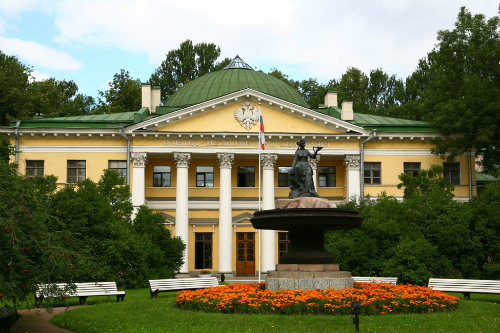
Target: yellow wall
223, 120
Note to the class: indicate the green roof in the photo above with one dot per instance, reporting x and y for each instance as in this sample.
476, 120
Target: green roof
380, 123
112, 120
484, 178
220, 83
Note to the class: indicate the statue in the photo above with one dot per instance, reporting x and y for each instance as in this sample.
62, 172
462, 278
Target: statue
302, 174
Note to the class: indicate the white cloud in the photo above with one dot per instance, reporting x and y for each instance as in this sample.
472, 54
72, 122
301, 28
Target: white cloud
37, 76
15, 8
39, 55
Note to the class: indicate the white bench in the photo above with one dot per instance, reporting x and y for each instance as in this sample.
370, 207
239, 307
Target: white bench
466, 286
82, 291
159, 286
375, 279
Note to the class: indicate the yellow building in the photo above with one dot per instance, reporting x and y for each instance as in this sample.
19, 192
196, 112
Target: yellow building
196, 159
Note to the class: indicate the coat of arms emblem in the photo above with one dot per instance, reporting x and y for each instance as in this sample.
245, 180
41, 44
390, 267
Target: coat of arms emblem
247, 114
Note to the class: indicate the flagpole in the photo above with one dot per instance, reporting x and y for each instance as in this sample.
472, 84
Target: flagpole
260, 242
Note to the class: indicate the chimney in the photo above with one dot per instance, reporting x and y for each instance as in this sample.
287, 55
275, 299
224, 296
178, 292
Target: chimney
331, 99
155, 98
146, 96
347, 112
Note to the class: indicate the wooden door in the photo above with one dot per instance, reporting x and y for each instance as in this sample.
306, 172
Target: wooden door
245, 254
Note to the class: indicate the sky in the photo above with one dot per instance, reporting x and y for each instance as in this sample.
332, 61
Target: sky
88, 41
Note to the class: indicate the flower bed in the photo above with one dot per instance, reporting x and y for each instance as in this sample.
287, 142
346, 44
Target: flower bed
376, 298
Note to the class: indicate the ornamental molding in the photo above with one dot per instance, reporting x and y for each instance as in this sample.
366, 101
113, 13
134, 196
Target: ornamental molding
247, 115
352, 162
314, 162
182, 159
139, 159
225, 160
268, 161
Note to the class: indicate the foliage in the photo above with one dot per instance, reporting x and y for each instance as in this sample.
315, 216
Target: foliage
427, 235
14, 82
186, 64
457, 87
486, 225
6, 149
34, 247
127, 253
375, 298
124, 94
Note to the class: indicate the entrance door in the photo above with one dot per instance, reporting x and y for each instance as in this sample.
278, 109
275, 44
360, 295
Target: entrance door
245, 254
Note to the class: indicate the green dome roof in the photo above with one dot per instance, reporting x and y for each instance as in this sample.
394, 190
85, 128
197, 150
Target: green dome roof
226, 81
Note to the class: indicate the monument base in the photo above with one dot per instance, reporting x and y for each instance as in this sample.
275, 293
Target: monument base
308, 276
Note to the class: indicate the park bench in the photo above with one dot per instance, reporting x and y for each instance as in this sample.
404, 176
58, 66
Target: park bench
465, 287
163, 285
375, 279
82, 291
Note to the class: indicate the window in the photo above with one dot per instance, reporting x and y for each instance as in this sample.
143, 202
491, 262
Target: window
203, 250
34, 168
452, 172
372, 173
76, 171
161, 176
327, 176
412, 168
120, 166
284, 176
205, 176
283, 243
246, 176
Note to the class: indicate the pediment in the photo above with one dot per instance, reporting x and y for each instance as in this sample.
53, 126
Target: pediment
218, 116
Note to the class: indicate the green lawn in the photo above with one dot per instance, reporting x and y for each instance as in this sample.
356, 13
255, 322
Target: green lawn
139, 313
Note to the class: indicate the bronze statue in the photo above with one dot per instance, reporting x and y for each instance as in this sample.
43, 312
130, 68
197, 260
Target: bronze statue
302, 174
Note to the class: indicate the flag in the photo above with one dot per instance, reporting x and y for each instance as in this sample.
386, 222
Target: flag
262, 136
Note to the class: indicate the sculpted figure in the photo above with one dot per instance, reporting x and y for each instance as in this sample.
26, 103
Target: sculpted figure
302, 174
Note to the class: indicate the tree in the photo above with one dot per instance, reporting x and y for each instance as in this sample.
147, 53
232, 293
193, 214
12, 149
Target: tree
14, 82
125, 252
185, 64
31, 252
124, 94
460, 92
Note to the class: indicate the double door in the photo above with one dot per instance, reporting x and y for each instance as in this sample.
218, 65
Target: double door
245, 253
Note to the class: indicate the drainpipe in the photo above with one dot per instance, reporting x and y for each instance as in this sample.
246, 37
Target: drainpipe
469, 158
16, 128
362, 155
120, 131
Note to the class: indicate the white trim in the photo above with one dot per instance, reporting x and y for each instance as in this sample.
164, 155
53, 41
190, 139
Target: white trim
73, 149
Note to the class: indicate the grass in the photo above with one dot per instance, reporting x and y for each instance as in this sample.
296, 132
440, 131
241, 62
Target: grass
139, 313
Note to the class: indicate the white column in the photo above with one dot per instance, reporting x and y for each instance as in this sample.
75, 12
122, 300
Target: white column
181, 208
268, 236
138, 181
225, 215
352, 164
314, 165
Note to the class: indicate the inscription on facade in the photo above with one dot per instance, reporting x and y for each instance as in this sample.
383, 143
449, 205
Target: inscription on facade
239, 143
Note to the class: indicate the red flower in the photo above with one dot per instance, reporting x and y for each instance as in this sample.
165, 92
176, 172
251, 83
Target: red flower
27, 249
10, 268
69, 240
27, 270
64, 296
24, 211
23, 285
1, 295
22, 251
5, 229
31, 177
67, 257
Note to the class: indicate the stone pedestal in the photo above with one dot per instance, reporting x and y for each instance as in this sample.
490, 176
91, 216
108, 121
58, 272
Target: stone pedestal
308, 276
